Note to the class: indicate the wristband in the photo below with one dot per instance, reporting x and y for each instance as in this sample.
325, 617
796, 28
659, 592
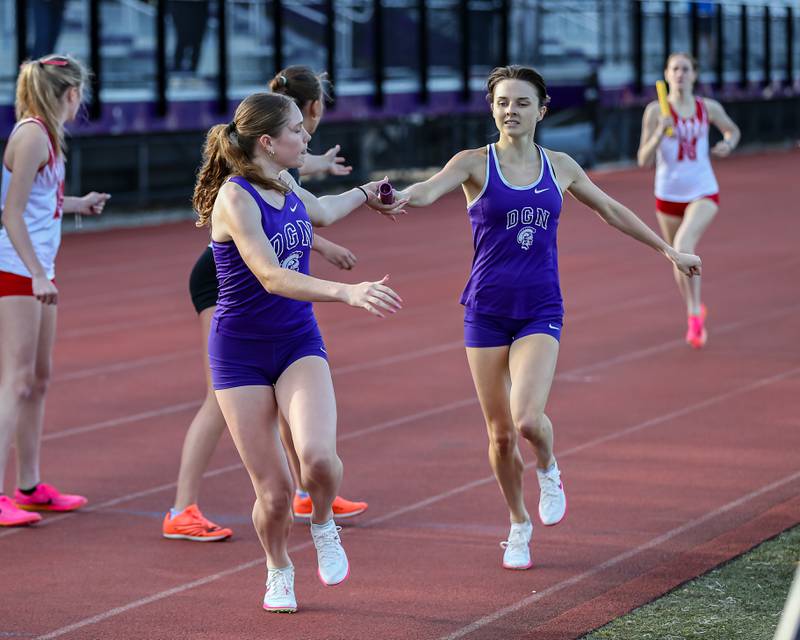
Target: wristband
366, 195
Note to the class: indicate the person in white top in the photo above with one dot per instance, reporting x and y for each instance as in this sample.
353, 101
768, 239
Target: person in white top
49, 94
687, 194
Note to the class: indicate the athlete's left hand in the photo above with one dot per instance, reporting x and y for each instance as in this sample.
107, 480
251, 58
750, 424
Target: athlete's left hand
93, 203
338, 255
374, 200
722, 149
688, 264
335, 164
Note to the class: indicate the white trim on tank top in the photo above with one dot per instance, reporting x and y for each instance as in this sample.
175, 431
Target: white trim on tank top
513, 186
485, 180
552, 174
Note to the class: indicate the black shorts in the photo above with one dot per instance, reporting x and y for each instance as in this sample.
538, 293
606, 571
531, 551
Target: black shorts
203, 286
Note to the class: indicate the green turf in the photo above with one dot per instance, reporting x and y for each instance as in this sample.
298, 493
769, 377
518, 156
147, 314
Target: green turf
741, 599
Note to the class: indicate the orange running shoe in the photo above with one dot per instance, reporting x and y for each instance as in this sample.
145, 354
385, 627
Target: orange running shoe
12, 516
190, 524
341, 508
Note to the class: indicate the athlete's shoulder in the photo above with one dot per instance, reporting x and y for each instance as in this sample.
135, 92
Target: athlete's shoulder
235, 197
559, 159
470, 157
651, 106
30, 139
711, 105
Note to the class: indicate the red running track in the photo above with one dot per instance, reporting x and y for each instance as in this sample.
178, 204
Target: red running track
674, 460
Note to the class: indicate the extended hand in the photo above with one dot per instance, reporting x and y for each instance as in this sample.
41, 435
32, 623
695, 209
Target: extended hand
374, 200
687, 263
374, 297
334, 163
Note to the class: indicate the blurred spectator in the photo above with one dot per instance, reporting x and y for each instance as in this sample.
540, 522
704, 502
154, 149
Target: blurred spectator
48, 16
190, 18
705, 28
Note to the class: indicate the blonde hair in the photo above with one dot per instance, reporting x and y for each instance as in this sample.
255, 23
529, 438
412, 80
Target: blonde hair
41, 85
230, 147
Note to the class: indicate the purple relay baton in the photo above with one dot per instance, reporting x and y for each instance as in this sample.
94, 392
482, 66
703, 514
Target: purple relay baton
386, 192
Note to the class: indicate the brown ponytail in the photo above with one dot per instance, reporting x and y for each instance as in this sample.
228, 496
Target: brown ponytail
41, 85
229, 150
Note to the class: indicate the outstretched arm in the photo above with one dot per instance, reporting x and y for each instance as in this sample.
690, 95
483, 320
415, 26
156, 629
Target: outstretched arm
455, 173
326, 210
618, 215
236, 216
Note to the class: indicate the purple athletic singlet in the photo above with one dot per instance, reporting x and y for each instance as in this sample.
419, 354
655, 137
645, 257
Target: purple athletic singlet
515, 268
255, 335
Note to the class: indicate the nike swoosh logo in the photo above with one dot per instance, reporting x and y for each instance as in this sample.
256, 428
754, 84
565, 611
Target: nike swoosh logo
293, 208
535, 190
554, 327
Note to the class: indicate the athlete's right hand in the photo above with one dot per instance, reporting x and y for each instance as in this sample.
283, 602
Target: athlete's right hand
374, 297
688, 263
44, 290
664, 123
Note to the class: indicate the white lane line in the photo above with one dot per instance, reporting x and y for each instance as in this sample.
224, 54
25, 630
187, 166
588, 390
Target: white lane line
124, 365
431, 500
655, 542
127, 419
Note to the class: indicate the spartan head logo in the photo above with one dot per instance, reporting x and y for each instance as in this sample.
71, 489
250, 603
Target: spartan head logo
525, 237
293, 261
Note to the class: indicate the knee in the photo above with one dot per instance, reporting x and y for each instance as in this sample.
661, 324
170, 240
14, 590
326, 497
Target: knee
26, 385
502, 438
275, 504
319, 467
532, 426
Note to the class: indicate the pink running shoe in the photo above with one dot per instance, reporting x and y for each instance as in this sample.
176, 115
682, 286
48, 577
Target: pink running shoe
696, 335
48, 498
12, 516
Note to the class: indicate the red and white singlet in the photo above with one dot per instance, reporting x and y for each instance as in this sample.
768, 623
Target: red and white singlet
683, 166
42, 215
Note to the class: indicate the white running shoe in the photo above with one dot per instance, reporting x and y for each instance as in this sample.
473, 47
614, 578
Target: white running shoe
280, 591
517, 553
552, 499
331, 558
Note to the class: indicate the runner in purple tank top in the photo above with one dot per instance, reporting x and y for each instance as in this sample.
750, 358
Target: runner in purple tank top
265, 351
513, 308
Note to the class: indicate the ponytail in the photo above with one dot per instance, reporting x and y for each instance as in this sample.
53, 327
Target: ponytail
229, 150
41, 85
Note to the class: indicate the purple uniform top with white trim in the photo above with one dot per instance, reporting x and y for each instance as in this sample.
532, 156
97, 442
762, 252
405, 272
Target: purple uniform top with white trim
244, 307
515, 267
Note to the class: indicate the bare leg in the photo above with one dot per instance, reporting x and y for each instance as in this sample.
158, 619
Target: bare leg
31, 416
305, 395
698, 217
291, 453
669, 227
489, 368
532, 362
251, 414
203, 435
20, 322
